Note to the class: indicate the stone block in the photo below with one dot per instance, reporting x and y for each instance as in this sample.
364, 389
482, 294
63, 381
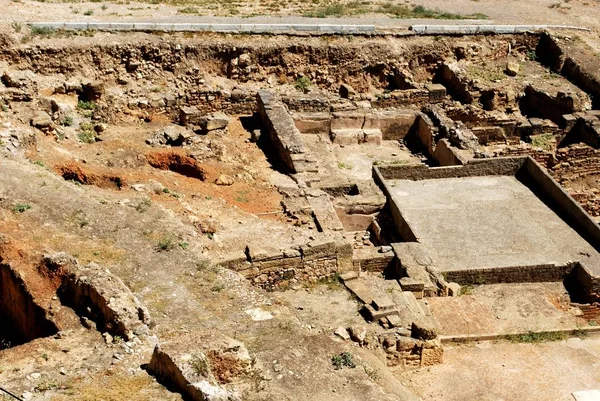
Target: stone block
372, 121
436, 91
346, 91
407, 344
313, 123
394, 321
189, 115
373, 136
432, 356
374, 315
423, 331
347, 120
346, 136
318, 248
453, 289
411, 284
382, 303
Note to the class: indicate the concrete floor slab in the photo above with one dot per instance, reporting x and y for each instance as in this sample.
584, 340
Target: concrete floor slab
500, 309
485, 222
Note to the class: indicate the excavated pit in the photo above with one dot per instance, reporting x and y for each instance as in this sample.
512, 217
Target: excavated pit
23, 320
369, 103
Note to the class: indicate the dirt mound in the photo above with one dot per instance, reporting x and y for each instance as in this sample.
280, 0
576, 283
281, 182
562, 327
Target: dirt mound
177, 163
74, 172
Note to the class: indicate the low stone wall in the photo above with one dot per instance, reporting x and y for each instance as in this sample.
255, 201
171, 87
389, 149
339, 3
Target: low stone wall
586, 130
449, 76
543, 157
474, 168
514, 274
588, 284
577, 162
538, 179
447, 155
591, 312
207, 101
284, 136
274, 269
372, 259
576, 64
411, 353
539, 103
309, 103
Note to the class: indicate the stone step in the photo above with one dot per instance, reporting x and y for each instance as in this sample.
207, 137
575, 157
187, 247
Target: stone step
349, 276
374, 315
360, 290
325, 213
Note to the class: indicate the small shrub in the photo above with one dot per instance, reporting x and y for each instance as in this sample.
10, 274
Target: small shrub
143, 205
532, 337
184, 245
39, 163
466, 290
165, 244
543, 141
342, 165
42, 31
302, 84
88, 12
200, 365
532, 55
372, 373
86, 105
67, 121
343, 359
188, 10
86, 133
21, 207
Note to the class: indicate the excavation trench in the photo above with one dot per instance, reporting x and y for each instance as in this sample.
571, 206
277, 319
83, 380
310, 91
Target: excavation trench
23, 320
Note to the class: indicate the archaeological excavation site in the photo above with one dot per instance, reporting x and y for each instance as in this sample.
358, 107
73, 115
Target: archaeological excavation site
227, 217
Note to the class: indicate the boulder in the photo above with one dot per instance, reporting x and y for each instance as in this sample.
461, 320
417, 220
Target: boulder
423, 331
342, 333
17, 79
358, 334
214, 121
42, 120
224, 180
346, 91
244, 60
512, 68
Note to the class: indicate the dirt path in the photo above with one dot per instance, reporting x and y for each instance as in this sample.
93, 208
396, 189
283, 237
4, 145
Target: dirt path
506, 371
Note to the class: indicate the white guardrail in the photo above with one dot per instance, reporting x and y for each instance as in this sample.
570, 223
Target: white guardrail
340, 29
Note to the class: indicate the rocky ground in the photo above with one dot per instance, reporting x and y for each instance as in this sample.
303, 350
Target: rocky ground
97, 164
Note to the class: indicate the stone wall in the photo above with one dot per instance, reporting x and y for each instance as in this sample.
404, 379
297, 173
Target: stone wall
274, 269
372, 259
543, 157
283, 134
410, 352
474, 168
514, 274
539, 103
538, 179
591, 312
